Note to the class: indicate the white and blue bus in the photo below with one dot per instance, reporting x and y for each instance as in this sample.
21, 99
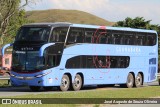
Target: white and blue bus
70, 56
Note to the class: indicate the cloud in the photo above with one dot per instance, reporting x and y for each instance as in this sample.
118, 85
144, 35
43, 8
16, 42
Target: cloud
112, 10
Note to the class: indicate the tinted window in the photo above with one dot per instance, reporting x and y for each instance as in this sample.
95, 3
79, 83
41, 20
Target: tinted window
33, 34
140, 39
151, 39
89, 36
98, 62
75, 36
74, 62
116, 37
52, 60
59, 34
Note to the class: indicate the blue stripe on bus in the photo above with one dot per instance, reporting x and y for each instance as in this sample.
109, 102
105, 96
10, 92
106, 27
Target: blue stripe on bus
4, 47
41, 51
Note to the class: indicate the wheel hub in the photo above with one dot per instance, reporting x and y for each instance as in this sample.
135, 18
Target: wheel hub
138, 80
77, 82
64, 83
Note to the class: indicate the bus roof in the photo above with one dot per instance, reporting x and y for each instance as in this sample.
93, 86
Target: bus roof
47, 24
56, 24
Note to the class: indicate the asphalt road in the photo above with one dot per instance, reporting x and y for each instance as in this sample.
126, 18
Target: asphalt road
16, 91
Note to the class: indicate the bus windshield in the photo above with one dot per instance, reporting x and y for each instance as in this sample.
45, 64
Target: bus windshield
33, 34
27, 61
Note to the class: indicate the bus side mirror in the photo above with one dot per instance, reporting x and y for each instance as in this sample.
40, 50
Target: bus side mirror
4, 47
41, 51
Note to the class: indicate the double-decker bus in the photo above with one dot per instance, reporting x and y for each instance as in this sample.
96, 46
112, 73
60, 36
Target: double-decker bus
70, 56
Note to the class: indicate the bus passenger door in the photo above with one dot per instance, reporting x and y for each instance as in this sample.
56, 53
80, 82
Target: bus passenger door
152, 69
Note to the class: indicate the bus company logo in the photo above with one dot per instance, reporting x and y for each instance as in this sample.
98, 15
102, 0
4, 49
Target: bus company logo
6, 101
98, 63
128, 49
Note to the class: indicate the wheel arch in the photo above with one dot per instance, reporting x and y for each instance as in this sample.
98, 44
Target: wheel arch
82, 76
133, 76
69, 75
142, 74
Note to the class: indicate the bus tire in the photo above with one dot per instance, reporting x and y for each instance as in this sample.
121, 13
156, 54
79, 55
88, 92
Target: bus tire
77, 84
159, 81
65, 83
138, 80
130, 81
48, 88
34, 88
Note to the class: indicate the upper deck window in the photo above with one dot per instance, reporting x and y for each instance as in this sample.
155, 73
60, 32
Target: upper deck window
33, 34
59, 34
75, 36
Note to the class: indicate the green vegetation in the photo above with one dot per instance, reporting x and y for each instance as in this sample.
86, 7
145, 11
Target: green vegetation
143, 92
56, 15
73, 16
3, 83
12, 16
138, 22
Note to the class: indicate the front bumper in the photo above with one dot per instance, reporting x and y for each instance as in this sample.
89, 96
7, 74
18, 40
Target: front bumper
44, 78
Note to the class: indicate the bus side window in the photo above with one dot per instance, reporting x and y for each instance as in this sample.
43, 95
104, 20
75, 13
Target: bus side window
140, 39
117, 39
58, 34
112, 39
151, 40
125, 40
71, 38
108, 36
113, 62
74, 62
102, 39
88, 37
128, 38
122, 40
89, 62
53, 60
75, 36
127, 61
107, 39
131, 40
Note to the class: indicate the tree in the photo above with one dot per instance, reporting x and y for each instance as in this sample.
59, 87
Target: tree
138, 22
12, 15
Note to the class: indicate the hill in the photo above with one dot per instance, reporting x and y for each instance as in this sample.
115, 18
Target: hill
73, 16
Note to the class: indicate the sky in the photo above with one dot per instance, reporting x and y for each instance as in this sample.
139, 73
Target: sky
111, 10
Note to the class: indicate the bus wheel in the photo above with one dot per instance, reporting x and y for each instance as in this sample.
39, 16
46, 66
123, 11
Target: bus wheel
65, 83
34, 88
48, 88
77, 84
138, 80
130, 81
159, 81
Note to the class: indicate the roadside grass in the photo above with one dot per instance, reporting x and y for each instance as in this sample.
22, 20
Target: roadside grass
142, 92
4, 83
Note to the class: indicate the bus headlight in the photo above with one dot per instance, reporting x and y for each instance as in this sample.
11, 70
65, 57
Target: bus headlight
41, 75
